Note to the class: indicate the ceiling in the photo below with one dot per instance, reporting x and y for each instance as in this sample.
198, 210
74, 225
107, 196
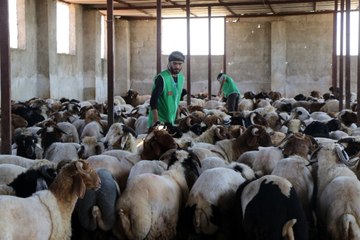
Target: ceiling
228, 8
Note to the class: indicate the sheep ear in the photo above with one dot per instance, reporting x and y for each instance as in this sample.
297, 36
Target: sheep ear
79, 187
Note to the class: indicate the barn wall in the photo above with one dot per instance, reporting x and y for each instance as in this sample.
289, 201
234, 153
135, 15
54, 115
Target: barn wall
288, 54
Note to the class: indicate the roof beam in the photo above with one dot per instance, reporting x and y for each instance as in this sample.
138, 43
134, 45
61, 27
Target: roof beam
182, 7
133, 7
269, 5
227, 7
205, 5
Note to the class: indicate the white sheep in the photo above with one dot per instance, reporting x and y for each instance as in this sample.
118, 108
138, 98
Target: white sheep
59, 151
147, 166
21, 161
338, 196
47, 213
214, 189
122, 137
150, 204
295, 169
9, 172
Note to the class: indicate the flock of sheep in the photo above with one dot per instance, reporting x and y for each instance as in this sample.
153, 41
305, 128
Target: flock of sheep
278, 168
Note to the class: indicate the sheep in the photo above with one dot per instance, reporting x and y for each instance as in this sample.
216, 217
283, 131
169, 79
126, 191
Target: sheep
141, 125
32, 180
8, 172
26, 144
269, 208
54, 149
211, 201
211, 135
23, 162
97, 208
119, 168
147, 166
133, 98
71, 133
47, 213
90, 146
251, 139
150, 205
294, 168
156, 143
266, 159
338, 195
121, 137
299, 144
93, 128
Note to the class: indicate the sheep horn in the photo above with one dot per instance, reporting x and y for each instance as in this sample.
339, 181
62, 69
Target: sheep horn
219, 133
188, 121
127, 129
255, 131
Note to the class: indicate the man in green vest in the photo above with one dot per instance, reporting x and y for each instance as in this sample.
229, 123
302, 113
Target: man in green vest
166, 91
229, 90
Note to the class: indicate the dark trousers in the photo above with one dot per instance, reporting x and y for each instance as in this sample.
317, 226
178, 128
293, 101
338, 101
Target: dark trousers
232, 102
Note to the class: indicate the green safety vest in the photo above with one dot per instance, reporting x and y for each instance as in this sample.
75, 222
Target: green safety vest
229, 86
169, 99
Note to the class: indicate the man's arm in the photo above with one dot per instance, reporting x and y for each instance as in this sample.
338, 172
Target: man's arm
159, 85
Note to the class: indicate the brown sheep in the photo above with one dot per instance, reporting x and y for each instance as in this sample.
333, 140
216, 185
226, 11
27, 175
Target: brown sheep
156, 143
253, 137
47, 213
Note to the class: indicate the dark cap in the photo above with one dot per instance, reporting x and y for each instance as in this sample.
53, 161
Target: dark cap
176, 56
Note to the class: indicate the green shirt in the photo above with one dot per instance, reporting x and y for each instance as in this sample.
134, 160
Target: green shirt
169, 99
229, 86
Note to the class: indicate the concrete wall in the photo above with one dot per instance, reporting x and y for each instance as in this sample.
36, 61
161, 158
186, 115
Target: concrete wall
287, 54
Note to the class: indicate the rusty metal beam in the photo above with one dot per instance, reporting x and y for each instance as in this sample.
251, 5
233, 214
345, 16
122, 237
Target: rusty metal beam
358, 77
110, 60
188, 64
224, 58
209, 53
134, 7
348, 61
176, 5
269, 5
227, 8
334, 82
5, 79
341, 67
205, 5
158, 36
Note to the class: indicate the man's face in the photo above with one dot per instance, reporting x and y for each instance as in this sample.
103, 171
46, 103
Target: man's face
175, 66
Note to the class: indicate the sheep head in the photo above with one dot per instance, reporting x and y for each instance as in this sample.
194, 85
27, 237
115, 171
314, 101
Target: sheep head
254, 136
83, 177
156, 143
299, 144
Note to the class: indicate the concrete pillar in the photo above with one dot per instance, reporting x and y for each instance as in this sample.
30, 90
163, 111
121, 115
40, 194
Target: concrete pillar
43, 35
92, 50
278, 57
122, 56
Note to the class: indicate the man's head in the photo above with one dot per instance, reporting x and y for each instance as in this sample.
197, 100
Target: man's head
176, 59
220, 76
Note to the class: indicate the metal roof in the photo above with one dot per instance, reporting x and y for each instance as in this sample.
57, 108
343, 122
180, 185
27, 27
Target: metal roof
218, 8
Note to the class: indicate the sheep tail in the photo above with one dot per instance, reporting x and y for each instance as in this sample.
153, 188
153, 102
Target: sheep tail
136, 222
350, 227
288, 231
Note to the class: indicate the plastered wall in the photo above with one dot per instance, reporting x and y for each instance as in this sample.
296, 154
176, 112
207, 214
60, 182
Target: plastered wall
287, 54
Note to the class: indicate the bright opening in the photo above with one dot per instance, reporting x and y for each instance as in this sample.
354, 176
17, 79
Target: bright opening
174, 36
13, 24
354, 33
102, 30
63, 27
